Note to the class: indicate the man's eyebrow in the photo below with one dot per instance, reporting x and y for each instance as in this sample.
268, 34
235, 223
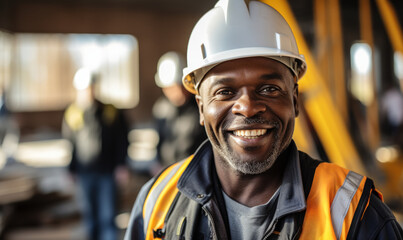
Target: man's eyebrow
217, 81
270, 76
222, 80
227, 80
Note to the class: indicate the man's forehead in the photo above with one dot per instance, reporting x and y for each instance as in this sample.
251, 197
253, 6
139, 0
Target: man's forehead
253, 63
265, 66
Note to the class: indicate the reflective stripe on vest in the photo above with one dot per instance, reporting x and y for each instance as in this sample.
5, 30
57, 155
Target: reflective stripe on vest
342, 200
331, 203
160, 197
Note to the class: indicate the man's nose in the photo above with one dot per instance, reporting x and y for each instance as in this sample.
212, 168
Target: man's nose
248, 106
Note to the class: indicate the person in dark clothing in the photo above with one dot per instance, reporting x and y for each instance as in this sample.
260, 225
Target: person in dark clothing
175, 113
98, 134
9, 133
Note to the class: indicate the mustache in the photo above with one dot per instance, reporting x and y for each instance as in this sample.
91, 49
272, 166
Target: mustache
257, 119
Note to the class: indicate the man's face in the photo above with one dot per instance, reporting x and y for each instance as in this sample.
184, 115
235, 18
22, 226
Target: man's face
248, 107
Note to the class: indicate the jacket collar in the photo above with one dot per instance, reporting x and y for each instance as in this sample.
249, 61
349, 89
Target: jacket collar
197, 181
292, 197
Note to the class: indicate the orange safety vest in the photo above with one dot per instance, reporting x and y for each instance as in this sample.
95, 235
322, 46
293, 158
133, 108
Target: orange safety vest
331, 204
160, 197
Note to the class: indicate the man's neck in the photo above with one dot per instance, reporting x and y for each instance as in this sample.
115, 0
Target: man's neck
251, 190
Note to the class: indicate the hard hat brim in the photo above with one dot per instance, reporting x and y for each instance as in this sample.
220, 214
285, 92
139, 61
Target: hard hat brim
193, 76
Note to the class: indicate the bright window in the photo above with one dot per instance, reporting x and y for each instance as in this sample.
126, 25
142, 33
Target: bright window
5, 58
44, 66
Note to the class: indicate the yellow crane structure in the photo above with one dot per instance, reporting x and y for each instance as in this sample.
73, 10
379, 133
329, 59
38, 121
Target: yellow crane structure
324, 91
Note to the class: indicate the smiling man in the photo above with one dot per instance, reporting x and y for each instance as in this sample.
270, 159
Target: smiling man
248, 180
248, 107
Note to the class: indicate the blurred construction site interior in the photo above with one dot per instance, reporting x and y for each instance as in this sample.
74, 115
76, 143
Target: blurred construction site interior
351, 95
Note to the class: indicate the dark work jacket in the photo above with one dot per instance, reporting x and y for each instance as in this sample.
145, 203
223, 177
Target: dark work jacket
98, 136
179, 131
196, 208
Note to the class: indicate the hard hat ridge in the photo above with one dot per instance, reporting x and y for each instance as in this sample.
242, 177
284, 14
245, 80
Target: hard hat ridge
229, 6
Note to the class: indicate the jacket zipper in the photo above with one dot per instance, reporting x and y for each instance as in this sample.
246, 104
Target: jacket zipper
296, 235
271, 229
180, 229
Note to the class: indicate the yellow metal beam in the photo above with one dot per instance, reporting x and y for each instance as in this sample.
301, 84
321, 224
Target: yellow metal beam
303, 136
372, 122
337, 56
330, 57
366, 22
391, 23
393, 27
319, 105
321, 39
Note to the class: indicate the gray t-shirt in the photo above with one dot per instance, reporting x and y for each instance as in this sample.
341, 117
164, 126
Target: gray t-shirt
249, 223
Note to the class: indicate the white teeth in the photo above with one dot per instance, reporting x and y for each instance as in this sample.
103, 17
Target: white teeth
250, 133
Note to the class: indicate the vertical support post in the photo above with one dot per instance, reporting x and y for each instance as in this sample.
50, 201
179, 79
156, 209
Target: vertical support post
337, 55
392, 26
372, 122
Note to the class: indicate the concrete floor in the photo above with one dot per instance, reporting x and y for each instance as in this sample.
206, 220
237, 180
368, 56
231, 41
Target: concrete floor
39, 220
68, 231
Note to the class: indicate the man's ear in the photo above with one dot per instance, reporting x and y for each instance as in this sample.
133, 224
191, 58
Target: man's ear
200, 105
295, 97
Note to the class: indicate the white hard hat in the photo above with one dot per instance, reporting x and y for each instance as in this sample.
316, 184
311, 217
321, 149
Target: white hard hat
169, 69
83, 79
236, 29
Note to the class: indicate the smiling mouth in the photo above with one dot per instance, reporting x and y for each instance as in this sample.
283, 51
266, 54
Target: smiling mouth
250, 134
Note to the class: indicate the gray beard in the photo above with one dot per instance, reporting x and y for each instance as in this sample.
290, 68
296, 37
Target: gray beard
250, 168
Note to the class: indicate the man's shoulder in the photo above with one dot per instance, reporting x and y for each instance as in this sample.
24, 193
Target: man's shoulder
73, 117
321, 172
378, 222
171, 173
308, 167
332, 169
307, 161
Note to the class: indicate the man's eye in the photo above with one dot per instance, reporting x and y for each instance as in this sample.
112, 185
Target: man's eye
224, 92
270, 89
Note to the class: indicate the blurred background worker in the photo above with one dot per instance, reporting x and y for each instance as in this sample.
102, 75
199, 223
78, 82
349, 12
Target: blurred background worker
392, 115
98, 133
9, 132
176, 114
